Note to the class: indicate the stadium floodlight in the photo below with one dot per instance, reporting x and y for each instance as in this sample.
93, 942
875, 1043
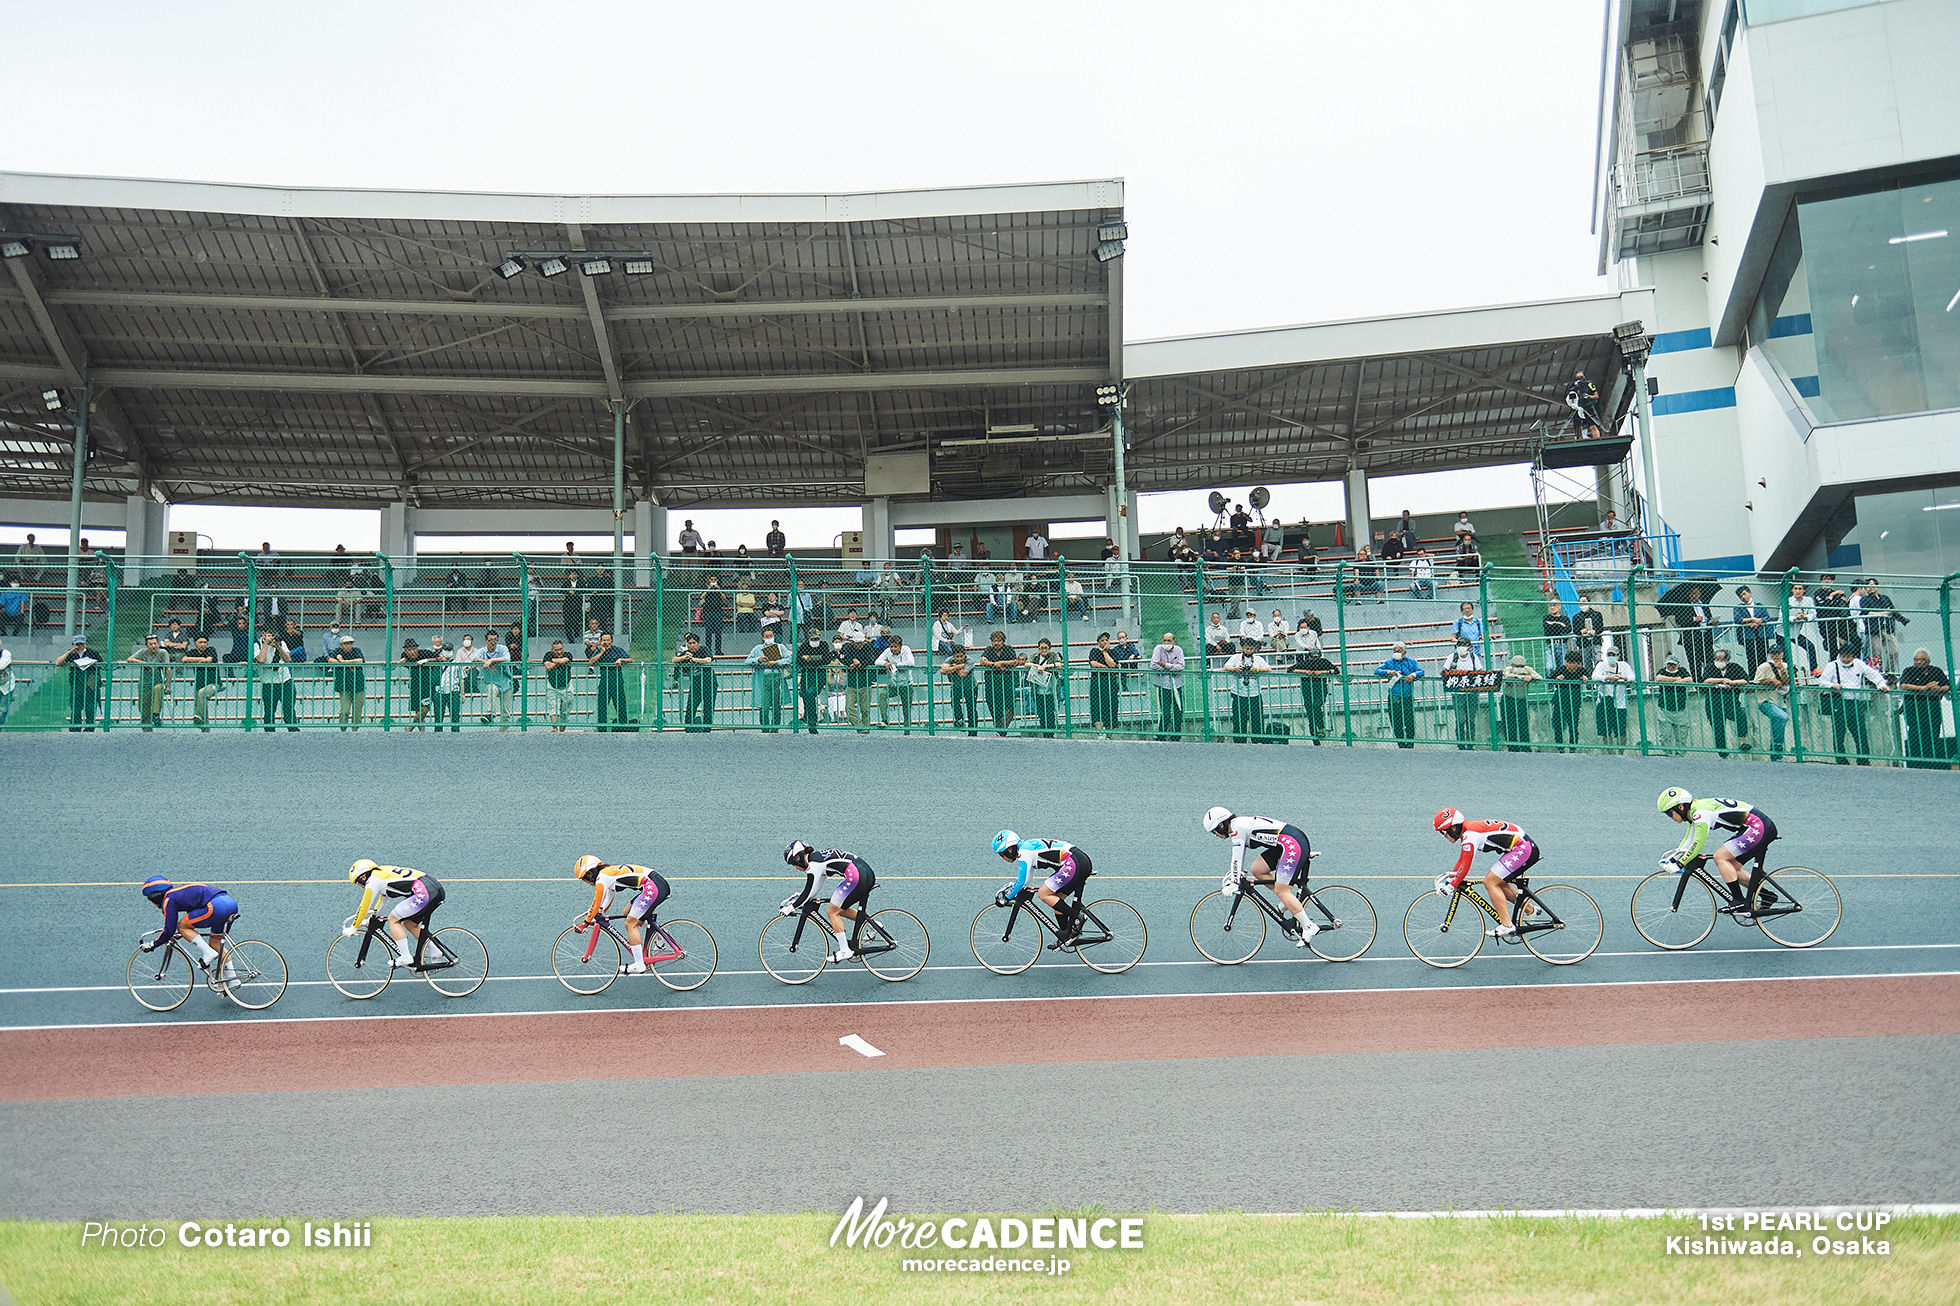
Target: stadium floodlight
551, 267
639, 267
1633, 341
1109, 249
11, 248
595, 267
62, 251
1109, 395
1117, 230
510, 267
52, 399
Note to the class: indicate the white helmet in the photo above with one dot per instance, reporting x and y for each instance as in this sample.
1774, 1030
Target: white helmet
1216, 817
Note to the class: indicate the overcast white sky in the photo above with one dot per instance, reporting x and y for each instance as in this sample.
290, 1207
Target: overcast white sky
1290, 162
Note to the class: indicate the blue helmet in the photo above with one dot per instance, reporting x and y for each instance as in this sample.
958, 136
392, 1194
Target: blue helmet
1006, 842
155, 887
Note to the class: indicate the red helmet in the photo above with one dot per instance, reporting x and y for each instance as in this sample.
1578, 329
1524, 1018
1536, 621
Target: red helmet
1447, 820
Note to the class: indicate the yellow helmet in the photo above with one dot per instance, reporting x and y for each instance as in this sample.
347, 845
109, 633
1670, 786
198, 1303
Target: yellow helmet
360, 868
586, 868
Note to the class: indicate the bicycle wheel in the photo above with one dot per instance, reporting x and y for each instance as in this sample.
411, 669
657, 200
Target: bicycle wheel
1580, 925
258, 974
356, 978
1807, 910
1346, 919
1001, 952
472, 965
578, 973
691, 969
160, 980
909, 946
1222, 935
1127, 937
1666, 925
791, 959
1438, 939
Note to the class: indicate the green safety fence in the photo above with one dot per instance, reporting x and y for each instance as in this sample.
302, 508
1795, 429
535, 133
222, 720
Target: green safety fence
1673, 663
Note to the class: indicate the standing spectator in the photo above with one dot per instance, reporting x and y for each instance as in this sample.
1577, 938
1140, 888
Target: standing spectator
496, 681
1422, 575
1610, 709
690, 538
514, 644
265, 553
610, 662
745, 621
947, 635
714, 614
84, 665
1568, 701
1558, 635
1588, 630
557, 685
456, 586
154, 680
1845, 679
1401, 672
470, 657
1127, 653
8, 684
1924, 686
1720, 701
1753, 628
16, 608
276, 681
965, 694
416, 659
813, 659
1000, 660
1464, 702
571, 607
769, 659
1248, 697
1105, 677
901, 675
1044, 677
30, 558
295, 640
696, 666
449, 685
1516, 703
241, 641
1671, 697
860, 662
1315, 673
599, 603
1803, 630
273, 608
957, 559
1468, 626
1773, 677
1036, 544
1833, 617
350, 682
775, 614
775, 541
1167, 676
1879, 620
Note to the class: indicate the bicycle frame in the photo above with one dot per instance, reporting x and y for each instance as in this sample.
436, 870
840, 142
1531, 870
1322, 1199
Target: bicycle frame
1249, 887
1027, 901
1551, 919
1698, 869
812, 915
673, 951
176, 944
377, 927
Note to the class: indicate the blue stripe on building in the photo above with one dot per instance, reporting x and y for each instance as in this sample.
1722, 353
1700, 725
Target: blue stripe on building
1797, 324
1732, 563
1806, 386
1673, 342
1694, 401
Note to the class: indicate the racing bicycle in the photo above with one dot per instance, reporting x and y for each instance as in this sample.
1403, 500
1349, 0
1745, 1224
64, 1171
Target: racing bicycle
1556, 922
1230, 933
1007, 939
679, 953
361, 964
163, 978
892, 944
1675, 909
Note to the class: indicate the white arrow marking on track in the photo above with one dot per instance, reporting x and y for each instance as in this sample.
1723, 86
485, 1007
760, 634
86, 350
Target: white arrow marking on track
859, 1046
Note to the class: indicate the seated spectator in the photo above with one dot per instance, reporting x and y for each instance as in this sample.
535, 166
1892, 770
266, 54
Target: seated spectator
176, 641
1463, 527
1392, 549
1218, 640
1077, 600
457, 583
1468, 560
1422, 575
330, 642
592, 636
1367, 573
948, 635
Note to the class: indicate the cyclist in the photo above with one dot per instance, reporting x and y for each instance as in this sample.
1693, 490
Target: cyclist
1063, 870
1520, 852
852, 894
1744, 833
186, 908
420, 895
650, 888
1280, 853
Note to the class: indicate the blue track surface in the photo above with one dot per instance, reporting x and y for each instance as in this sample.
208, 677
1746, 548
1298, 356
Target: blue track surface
500, 818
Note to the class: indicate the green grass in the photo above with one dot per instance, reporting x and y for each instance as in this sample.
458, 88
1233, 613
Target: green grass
1224, 1257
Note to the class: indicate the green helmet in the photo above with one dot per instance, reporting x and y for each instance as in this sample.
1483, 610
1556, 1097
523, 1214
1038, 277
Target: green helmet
1672, 797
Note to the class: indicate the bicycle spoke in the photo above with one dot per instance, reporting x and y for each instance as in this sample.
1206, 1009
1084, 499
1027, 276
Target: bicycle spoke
470, 968
1666, 925
907, 942
1576, 921
696, 963
160, 980
997, 949
353, 976
1437, 938
1806, 907
790, 957
1224, 935
570, 964
1346, 919
1124, 941
258, 974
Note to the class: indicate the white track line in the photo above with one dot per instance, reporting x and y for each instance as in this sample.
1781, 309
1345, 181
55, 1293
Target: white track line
964, 1002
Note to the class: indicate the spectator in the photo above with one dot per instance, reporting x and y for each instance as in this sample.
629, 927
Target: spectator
514, 641
1127, 653
347, 602
1610, 709
449, 686
1167, 677
966, 700
1218, 640
690, 538
154, 681
1878, 621
469, 656
457, 587
1463, 528
957, 560
1112, 561
714, 615
1402, 672
741, 559
1036, 545
1105, 680
775, 541
860, 661
1752, 628
769, 660
1845, 679
1247, 691
84, 665
1314, 671
1803, 629
1044, 678
591, 637
1463, 702
1467, 626
1924, 685
599, 603
1074, 597
948, 635
1568, 699
496, 681
420, 678
1722, 704
265, 553
981, 553
1367, 573
1251, 628
8, 683
1588, 631
813, 659
330, 642
175, 642
295, 641
1515, 703
901, 671
1392, 549
774, 614
1272, 540
745, 621
276, 680
1000, 661
571, 553
610, 662
1307, 634
1612, 525
16, 607
1422, 576
1001, 602
850, 629
1405, 530
1558, 635
273, 609
571, 607
1773, 677
1468, 560
241, 641
31, 559
557, 685
350, 682
1671, 697
1833, 618
695, 667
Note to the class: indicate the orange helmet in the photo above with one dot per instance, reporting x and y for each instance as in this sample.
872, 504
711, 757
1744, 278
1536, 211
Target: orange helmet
586, 868
1447, 820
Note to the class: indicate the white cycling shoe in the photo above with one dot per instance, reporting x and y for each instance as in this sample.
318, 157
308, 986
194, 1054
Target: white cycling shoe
636, 968
846, 955
1503, 932
1307, 930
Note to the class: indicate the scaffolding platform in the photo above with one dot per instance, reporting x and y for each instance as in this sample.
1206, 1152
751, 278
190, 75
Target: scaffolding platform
1606, 452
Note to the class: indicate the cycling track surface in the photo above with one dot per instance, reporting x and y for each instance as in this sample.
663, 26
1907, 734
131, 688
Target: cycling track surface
1306, 1084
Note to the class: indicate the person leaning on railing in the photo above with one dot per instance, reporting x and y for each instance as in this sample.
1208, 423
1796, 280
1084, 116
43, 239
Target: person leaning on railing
1773, 683
1722, 703
1401, 671
1613, 673
694, 666
1924, 686
1671, 704
813, 659
557, 685
1167, 676
1315, 673
209, 682
415, 658
1515, 703
150, 691
609, 661
901, 674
